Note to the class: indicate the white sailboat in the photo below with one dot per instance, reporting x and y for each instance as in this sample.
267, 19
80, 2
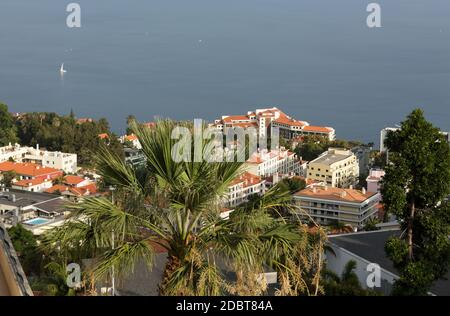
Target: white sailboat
62, 70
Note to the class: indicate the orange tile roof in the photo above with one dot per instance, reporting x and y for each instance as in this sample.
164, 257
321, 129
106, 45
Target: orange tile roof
82, 191
131, 137
247, 178
103, 136
27, 169
317, 129
335, 194
232, 118
288, 121
73, 180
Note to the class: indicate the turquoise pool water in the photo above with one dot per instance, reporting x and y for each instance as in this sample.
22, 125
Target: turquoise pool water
37, 221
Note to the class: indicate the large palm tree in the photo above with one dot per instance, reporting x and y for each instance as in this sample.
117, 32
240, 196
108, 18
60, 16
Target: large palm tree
176, 206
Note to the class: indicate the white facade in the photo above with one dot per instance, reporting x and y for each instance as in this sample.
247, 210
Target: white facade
53, 159
242, 187
267, 163
37, 185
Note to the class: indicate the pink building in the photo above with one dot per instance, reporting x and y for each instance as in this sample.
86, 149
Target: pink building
373, 180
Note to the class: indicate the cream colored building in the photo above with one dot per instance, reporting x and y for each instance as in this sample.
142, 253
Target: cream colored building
327, 205
337, 167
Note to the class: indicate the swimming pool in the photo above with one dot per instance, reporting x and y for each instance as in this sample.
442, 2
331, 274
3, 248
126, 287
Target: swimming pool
36, 221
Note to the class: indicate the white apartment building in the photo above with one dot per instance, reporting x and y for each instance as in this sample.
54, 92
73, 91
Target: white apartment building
53, 159
337, 167
264, 119
280, 161
242, 187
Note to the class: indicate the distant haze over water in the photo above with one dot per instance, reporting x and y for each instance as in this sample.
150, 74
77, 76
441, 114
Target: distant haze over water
315, 59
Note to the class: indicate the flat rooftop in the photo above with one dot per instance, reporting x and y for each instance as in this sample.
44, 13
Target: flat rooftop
370, 246
330, 158
24, 198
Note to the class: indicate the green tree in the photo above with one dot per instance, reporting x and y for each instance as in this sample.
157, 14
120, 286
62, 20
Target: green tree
25, 243
294, 184
7, 178
417, 180
7, 127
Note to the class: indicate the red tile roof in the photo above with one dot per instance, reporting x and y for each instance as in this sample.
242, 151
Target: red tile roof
335, 194
317, 129
73, 180
29, 169
29, 183
247, 178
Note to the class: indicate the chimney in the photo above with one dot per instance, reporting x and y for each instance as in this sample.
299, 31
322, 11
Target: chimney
325, 188
37, 146
364, 191
343, 194
351, 187
314, 189
13, 198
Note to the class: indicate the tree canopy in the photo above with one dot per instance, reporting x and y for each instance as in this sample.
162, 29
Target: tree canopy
416, 182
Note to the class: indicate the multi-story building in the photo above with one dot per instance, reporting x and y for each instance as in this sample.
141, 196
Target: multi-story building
263, 119
362, 153
327, 205
54, 159
242, 187
281, 161
373, 180
337, 167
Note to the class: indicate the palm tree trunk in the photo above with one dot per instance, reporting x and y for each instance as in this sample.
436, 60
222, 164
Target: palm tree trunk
173, 263
410, 231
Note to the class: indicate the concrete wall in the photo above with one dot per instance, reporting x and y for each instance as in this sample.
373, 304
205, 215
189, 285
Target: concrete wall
337, 262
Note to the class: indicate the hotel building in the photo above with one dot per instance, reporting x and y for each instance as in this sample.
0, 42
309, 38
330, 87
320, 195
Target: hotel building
263, 119
327, 205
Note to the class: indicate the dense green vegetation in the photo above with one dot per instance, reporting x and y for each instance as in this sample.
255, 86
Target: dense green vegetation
57, 133
312, 146
8, 132
416, 182
347, 284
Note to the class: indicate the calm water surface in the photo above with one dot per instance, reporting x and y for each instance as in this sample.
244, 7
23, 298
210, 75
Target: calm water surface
315, 59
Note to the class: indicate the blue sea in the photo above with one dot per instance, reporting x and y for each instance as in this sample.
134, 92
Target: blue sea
315, 59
